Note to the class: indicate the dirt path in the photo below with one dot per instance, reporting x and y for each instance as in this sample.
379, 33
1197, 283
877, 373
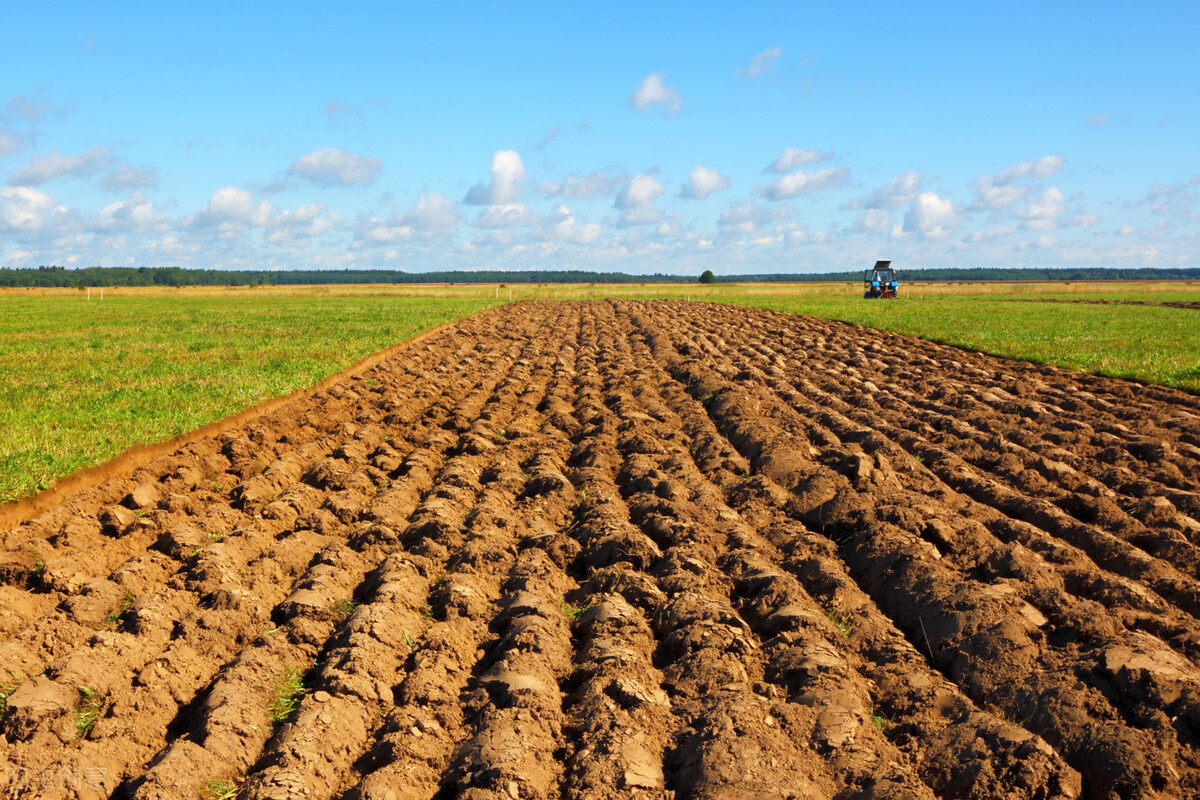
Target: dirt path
642, 550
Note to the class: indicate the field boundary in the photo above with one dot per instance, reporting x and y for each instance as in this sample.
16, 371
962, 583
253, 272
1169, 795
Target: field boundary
21, 511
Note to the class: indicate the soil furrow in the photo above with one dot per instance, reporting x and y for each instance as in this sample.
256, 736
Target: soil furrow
629, 549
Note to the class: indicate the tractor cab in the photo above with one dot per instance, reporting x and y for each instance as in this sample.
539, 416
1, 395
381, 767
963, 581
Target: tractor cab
880, 281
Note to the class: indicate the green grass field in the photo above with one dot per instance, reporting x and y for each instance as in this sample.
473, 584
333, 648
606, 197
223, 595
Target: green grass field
81, 380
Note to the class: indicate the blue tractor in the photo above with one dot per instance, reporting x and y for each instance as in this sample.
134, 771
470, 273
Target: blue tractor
880, 281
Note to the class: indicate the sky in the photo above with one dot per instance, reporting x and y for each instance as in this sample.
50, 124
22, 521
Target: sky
667, 137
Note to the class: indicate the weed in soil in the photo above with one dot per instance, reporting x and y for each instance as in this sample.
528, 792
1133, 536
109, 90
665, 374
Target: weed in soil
285, 697
87, 711
6, 690
117, 613
342, 609
572, 612
218, 790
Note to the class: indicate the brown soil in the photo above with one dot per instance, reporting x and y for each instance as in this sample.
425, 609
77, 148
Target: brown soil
1190, 304
643, 550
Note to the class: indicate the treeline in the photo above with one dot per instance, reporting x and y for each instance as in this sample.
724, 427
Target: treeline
179, 276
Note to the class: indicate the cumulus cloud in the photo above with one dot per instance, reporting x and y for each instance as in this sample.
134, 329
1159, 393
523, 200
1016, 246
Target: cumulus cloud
46, 168
998, 192
126, 178
584, 187
747, 218
295, 227
651, 93
762, 63
27, 210
331, 167
896, 193
931, 217
433, 217
794, 157
562, 226
873, 219
636, 201
507, 173
703, 182
801, 182
134, 214
1042, 212
996, 198
505, 215
230, 207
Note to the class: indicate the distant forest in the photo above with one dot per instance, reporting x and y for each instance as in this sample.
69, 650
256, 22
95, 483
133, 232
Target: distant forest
180, 276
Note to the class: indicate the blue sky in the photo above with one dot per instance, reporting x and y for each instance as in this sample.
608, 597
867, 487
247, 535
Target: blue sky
644, 138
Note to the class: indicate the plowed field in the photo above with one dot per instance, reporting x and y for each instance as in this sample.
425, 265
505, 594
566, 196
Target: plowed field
625, 549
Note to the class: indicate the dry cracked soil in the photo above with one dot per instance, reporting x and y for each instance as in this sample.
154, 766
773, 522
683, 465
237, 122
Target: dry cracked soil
629, 550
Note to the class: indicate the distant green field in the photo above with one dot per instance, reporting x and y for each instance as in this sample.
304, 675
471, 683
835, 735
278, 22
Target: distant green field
83, 380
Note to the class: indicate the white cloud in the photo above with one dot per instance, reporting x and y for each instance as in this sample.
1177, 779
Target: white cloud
125, 178
636, 201
584, 187
703, 182
46, 168
507, 173
1042, 168
801, 182
896, 193
931, 217
432, 218
1097, 120
27, 210
874, 219
505, 215
762, 63
433, 215
562, 226
996, 198
1041, 213
747, 218
1175, 200
652, 93
998, 192
291, 228
639, 191
330, 167
134, 214
230, 207
794, 157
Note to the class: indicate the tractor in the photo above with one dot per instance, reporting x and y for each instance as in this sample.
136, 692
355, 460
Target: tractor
880, 281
